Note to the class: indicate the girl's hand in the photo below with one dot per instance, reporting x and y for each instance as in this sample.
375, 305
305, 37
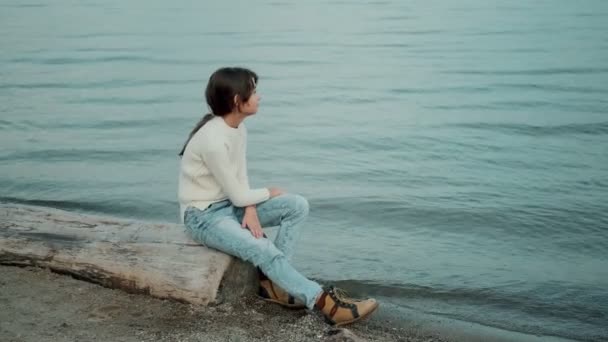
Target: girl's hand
274, 192
251, 222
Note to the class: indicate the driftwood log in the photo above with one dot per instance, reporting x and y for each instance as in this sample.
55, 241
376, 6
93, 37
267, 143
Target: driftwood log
139, 257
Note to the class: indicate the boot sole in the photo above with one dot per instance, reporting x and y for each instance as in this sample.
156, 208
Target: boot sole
283, 304
359, 318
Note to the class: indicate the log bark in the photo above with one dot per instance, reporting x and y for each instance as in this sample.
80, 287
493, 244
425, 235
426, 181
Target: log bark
139, 257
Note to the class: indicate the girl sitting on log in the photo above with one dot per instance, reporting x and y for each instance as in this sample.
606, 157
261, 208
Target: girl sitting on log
221, 211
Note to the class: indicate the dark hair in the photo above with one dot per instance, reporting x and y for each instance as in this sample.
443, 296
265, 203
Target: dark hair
223, 85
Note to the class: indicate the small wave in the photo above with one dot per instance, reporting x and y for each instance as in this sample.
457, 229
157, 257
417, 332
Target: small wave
512, 32
25, 5
97, 84
437, 90
63, 155
111, 124
377, 45
591, 14
140, 210
280, 4
351, 100
58, 204
28, 125
553, 88
352, 3
548, 225
599, 128
294, 62
124, 100
534, 72
584, 312
71, 60
397, 17
97, 60
6, 125
597, 106
399, 32
98, 49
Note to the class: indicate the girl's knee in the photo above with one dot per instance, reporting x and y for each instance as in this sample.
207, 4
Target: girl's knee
298, 203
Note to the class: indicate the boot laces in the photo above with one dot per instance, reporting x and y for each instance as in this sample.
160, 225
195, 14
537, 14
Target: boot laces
342, 296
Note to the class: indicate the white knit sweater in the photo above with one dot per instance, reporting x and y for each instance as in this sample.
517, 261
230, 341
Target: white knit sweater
214, 168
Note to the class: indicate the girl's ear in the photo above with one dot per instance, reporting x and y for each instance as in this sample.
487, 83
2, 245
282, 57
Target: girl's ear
237, 102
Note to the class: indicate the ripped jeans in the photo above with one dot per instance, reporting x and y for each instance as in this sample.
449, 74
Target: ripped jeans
219, 227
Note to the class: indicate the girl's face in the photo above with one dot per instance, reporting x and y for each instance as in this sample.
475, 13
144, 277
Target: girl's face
251, 106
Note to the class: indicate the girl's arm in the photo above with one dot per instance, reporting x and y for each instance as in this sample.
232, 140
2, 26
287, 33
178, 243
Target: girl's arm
238, 192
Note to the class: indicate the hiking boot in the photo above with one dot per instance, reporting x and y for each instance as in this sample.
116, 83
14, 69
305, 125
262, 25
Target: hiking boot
338, 309
272, 293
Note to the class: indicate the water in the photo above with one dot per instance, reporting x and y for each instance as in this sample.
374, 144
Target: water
454, 154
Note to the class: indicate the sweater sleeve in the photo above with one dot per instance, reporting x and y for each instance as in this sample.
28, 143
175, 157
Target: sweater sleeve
242, 171
243, 177
239, 193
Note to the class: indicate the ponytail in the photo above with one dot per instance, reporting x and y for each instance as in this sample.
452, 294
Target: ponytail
198, 126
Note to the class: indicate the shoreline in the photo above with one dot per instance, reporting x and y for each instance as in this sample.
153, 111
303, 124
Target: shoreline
390, 323
460, 331
42, 305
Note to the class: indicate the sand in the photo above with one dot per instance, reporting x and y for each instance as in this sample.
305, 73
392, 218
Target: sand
38, 305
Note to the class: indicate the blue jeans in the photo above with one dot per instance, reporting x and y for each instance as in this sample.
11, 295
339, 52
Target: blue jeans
219, 227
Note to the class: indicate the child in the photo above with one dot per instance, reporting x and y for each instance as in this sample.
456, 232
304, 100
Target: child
221, 211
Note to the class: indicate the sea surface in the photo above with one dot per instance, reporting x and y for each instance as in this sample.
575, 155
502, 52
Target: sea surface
454, 153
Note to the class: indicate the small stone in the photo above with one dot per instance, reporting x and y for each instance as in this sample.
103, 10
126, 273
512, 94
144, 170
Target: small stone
342, 335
